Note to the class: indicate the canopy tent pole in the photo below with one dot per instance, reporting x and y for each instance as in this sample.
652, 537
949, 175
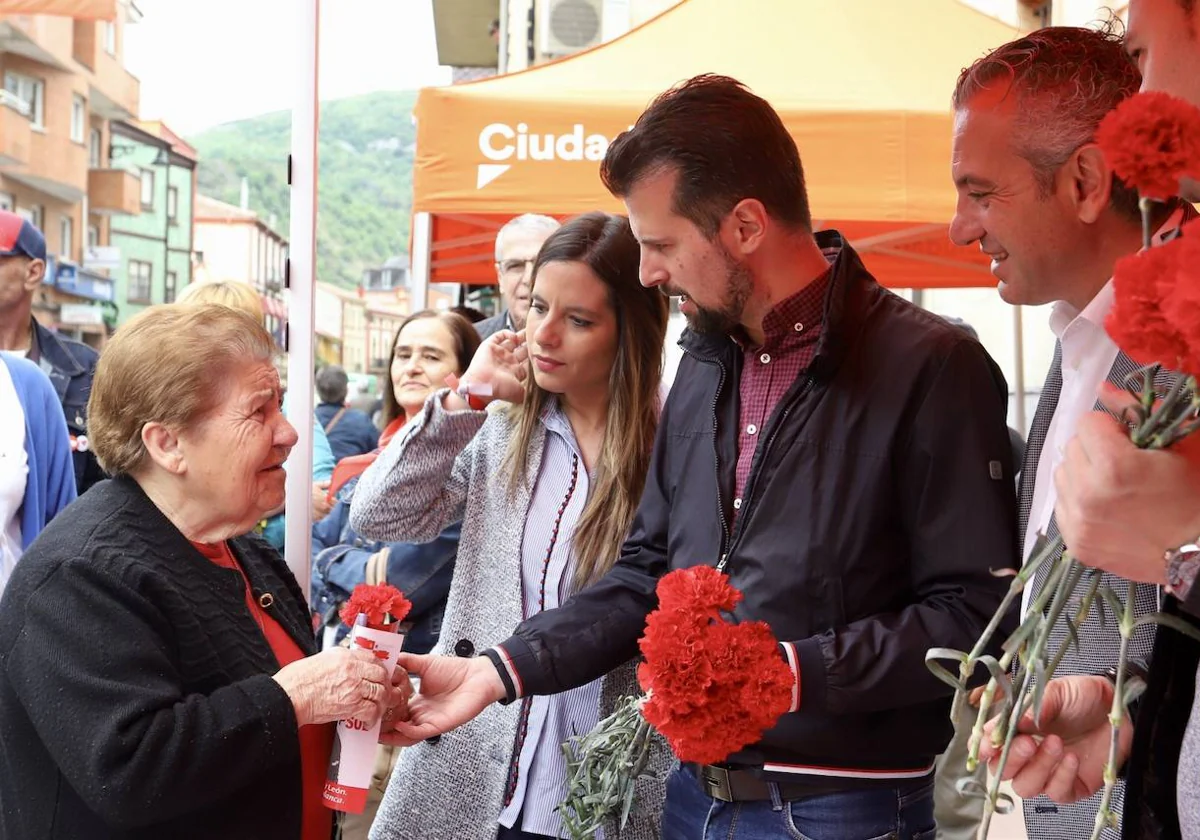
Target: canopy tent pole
422, 232
301, 291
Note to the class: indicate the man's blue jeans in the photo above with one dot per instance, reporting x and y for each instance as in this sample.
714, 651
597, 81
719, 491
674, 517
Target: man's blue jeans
903, 811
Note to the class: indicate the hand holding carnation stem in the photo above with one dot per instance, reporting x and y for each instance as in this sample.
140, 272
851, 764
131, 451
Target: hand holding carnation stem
1121, 508
501, 364
1062, 756
454, 691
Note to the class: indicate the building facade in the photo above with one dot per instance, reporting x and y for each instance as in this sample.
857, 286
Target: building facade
153, 249
65, 85
233, 243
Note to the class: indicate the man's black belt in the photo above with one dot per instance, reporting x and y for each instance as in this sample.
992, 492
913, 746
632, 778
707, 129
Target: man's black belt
744, 786
731, 785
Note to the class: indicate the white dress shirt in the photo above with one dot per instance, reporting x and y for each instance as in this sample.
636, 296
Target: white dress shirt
1087, 357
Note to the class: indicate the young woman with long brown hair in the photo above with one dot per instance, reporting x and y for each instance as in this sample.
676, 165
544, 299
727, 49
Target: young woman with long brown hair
547, 487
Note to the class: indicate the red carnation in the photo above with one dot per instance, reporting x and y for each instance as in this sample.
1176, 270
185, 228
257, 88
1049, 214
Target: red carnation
1151, 140
701, 590
1180, 293
1137, 322
383, 604
714, 687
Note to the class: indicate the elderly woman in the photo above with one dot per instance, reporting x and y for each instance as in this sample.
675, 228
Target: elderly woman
156, 676
238, 295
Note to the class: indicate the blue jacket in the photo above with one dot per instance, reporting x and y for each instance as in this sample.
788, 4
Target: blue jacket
71, 366
421, 571
50, 485
354, 434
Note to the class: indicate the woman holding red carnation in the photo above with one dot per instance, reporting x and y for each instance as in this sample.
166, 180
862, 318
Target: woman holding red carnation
546, 488
157, 666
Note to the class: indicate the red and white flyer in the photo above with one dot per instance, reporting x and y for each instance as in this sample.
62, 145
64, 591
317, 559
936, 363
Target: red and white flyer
354, 744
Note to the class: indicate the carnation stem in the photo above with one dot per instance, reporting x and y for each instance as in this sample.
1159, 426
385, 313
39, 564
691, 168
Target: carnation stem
1144, 204
1104, 816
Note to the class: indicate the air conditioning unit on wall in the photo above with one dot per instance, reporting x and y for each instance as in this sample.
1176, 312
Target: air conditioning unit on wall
568, 26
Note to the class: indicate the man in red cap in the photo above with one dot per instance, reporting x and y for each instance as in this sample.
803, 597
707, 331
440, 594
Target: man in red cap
69, 364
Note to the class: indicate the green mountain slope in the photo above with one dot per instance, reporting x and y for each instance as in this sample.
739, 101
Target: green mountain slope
365, 151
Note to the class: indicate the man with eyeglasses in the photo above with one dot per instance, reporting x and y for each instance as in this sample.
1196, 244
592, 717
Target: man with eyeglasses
517, 243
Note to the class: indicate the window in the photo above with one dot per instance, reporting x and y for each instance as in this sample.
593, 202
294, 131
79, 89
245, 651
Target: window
78, 118
110, 37
147, 189
93, 236
172, 203
140, 275
30, 91
169, 290
37, 216
95, 149
66, 231
7, 201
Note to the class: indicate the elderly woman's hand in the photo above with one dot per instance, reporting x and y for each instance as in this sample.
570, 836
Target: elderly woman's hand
397, 711
337, 684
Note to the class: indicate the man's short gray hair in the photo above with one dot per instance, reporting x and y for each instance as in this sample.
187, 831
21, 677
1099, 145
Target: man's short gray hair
526, 223
1064, 79
332, 384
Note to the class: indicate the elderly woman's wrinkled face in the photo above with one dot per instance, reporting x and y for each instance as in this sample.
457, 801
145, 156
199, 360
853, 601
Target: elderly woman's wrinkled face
235, 455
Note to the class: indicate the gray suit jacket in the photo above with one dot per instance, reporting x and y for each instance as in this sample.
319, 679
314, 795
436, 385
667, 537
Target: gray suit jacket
489, 326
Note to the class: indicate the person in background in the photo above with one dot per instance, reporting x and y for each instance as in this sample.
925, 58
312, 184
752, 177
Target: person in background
349, 431
517, 245
37, 477
546, 488
472, 314
69, 364
241, 296
428, 346
157, 672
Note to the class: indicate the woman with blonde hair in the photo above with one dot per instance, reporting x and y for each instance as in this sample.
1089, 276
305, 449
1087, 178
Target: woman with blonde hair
242, 297
546, 488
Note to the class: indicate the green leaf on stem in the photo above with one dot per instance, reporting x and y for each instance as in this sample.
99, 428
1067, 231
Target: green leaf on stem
939, 670
1173, 621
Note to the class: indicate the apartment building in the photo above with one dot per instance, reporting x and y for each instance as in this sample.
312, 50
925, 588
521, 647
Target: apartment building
233, 243
65, 83
151, 250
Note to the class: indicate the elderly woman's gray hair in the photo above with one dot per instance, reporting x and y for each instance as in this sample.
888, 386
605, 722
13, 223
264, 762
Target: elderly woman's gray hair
166, 364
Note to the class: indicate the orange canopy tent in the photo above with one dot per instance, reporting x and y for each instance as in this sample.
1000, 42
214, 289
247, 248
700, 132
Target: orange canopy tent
863, 85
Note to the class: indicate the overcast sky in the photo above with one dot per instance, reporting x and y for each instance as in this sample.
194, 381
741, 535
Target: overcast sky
206, 62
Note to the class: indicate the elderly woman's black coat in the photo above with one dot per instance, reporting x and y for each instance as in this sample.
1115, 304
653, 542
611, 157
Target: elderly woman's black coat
136, 698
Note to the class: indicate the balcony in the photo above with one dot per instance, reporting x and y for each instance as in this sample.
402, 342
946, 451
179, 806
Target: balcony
45, 39
113, 92
114, 192
15, 132
56, 166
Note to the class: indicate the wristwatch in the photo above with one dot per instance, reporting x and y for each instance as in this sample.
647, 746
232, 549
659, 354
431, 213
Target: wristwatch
1183, 564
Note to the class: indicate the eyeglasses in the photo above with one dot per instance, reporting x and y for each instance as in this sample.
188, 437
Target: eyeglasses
513, 268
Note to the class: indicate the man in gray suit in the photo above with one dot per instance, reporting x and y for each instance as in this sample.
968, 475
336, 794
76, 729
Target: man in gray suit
1036, 194
517, 244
